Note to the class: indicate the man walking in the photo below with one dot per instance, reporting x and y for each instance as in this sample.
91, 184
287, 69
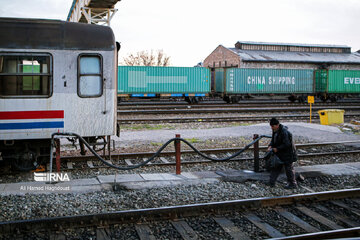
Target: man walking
281, 145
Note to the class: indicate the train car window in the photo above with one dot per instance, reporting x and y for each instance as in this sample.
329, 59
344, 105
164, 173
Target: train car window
90, 82
23, 75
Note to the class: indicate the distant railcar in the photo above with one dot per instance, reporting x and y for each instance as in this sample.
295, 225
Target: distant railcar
55, 76
234, 83
190, 83
334, 84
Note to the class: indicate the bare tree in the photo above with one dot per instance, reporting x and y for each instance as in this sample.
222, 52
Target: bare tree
145, 58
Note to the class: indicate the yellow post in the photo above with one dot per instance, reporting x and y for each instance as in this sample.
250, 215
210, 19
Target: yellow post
311, 100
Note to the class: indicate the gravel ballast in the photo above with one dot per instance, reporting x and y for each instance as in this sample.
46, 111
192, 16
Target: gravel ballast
45, 205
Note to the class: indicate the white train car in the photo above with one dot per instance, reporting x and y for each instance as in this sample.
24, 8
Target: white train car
55, 76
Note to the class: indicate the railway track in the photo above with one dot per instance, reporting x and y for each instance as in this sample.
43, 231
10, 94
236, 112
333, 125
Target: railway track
244, 105
89, 162
230, 110
321, 215
262, 118
72, 163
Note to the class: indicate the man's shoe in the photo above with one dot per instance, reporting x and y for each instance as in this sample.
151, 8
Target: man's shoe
291, 186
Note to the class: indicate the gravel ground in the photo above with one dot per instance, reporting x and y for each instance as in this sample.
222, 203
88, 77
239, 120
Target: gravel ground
311, 132
40, 206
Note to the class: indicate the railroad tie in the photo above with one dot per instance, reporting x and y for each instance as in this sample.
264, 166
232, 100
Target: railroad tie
230, 228
340, 217
267, 228
164, 160
145, 159
321, 219
296, 220
343, 205
356, 200
128, 162
57, 237
103, 234
185, 230
90, 164
70, 165
144, 232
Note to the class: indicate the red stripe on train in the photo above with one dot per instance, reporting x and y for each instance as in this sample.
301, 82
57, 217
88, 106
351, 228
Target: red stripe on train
31, 114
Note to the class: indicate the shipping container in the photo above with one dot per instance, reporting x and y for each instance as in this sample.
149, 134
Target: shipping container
321, 80
219, 80
338, 81
269, 81
174, 81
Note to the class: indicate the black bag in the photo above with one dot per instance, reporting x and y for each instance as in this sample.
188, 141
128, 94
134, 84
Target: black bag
272, 161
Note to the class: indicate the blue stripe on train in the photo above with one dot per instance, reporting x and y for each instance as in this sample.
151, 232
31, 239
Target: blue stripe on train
31, 125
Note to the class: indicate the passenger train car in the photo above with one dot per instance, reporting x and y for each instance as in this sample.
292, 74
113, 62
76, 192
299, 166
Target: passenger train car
55, 76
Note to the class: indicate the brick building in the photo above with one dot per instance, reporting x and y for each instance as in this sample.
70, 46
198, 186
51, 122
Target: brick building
284, 55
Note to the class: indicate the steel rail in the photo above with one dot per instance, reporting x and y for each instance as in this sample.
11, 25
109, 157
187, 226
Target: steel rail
171, 212
311, 155
236, 110
220, 101
347, 233
147, 107
226, 119
210, 151
207, 151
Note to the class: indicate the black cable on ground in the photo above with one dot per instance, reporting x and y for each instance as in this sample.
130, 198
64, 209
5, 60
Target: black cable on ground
157, 153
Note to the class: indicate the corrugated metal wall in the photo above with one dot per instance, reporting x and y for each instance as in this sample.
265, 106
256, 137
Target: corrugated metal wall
140, 79
257, 81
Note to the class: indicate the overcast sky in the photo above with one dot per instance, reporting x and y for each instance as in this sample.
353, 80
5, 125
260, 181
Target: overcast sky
189, 30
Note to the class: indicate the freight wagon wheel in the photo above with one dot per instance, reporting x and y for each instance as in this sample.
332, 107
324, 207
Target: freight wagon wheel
323, 98
235, 99
226, 99
333, 99
301, 99
292, 98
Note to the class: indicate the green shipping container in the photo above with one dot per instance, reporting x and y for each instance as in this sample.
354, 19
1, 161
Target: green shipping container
183, 80
219, 80
268, 81
338, 81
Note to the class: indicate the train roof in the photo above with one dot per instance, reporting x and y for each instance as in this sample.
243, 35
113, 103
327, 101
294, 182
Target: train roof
20, 33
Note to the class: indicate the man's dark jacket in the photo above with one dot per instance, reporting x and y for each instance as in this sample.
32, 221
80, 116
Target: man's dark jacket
282, 140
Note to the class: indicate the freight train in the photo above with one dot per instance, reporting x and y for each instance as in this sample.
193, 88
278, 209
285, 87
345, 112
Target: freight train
55, 76
232, 84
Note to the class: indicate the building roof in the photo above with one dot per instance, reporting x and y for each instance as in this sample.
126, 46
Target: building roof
292, 44
305, 57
